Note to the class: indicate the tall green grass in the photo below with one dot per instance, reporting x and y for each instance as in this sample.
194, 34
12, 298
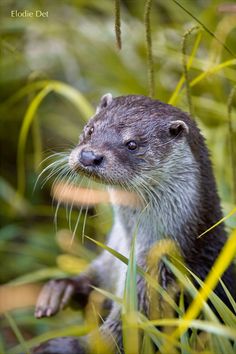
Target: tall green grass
200, 78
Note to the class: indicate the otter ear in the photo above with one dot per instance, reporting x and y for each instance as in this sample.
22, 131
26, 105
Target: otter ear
104, 102
178, 127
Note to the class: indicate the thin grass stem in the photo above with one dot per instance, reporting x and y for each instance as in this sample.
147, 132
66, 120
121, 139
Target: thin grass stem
187, 34
118, 24
231, 140
150, 63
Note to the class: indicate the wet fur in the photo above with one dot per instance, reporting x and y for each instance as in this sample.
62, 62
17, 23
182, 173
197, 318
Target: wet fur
173, 176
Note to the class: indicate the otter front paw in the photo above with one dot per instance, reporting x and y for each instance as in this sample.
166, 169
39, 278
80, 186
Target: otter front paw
56, 294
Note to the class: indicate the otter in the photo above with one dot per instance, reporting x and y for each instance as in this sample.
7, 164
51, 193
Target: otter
154, 149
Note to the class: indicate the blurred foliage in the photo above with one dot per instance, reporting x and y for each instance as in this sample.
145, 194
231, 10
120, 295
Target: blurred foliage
76, 46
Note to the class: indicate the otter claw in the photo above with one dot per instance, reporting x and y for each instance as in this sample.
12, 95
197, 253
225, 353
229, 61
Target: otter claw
66, 296
49, 312
38, 313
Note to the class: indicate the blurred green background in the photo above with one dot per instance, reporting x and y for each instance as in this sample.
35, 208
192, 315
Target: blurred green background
76, 45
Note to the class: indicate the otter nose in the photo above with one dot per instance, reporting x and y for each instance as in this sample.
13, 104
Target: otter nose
89, 158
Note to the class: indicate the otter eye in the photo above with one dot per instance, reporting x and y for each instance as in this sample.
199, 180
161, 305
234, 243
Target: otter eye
90, 131
132, 145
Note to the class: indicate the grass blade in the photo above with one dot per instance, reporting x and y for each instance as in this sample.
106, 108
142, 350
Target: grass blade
17, 332
221, 264
130, 305
175, 93
151, 79
205, 28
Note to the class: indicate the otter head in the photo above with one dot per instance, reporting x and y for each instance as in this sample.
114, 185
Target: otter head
132, 141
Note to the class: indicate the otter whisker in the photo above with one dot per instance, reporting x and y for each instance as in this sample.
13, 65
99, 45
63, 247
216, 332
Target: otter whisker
76, 225
86, 212
98, 213
140, 192
70, 184
78, 220
55, 155
61, 177
54, 163
54, 172
155, 180
55, 214
149, 188
72, 204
